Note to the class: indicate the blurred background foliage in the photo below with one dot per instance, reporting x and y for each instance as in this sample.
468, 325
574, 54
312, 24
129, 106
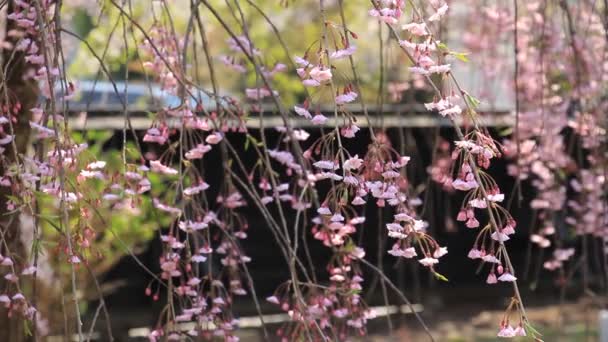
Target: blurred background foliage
298, 23
112, 230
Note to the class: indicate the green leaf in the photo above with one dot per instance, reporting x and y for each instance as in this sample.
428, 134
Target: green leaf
440, 276
353, 292
53, 224
461, 56
472, 101
26, 328
246, 147
505, 131
530, 330
349, 247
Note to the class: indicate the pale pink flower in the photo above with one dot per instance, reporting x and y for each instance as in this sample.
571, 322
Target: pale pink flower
349, 131
324, 211
197, 152
491, 278
158, 167
441, 11
11, 277
459, 184
409, 252
439, 252
472, 223
506, 331
496, 197
85, 174
563, 254
338, 54
425, 61
352, 163
475, 254
490, 258
396, 227
440, 69
507, 277
337, 278
428, 261
396, 251
478, 203
454, 110
420, 226
329, 175
358, 253
418, 70
231, 63
18, 296
403, 217
346, 98
520, 331
302, 112
301, 61
337, 217
43, 132
326, 165
195, 189
299, 135
358, 201
320, 74
417, 29
214, 138
199, 258
96, 165
462, 216
155, 135
166, 208
508, 229
6, 140
500, 236
273, 300
311, 83
319, 119
29, 270
390, 174
385, 16
352, 180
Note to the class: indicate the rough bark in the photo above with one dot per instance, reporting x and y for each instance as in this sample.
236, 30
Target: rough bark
15, 92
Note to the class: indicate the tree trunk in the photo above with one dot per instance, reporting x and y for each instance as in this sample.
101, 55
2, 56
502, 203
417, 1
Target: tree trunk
17, 98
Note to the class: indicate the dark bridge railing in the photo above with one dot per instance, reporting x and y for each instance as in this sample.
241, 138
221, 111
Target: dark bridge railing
393, 116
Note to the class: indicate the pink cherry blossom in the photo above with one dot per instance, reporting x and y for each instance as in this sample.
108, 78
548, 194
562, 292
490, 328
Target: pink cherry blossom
507, 277
428, 262
320, 74
157, 166
506, 331
418, 29
319, 119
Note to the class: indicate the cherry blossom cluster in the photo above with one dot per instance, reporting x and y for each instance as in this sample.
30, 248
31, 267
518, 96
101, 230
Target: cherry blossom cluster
378, 176
557, 82
473, 151
199, 232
